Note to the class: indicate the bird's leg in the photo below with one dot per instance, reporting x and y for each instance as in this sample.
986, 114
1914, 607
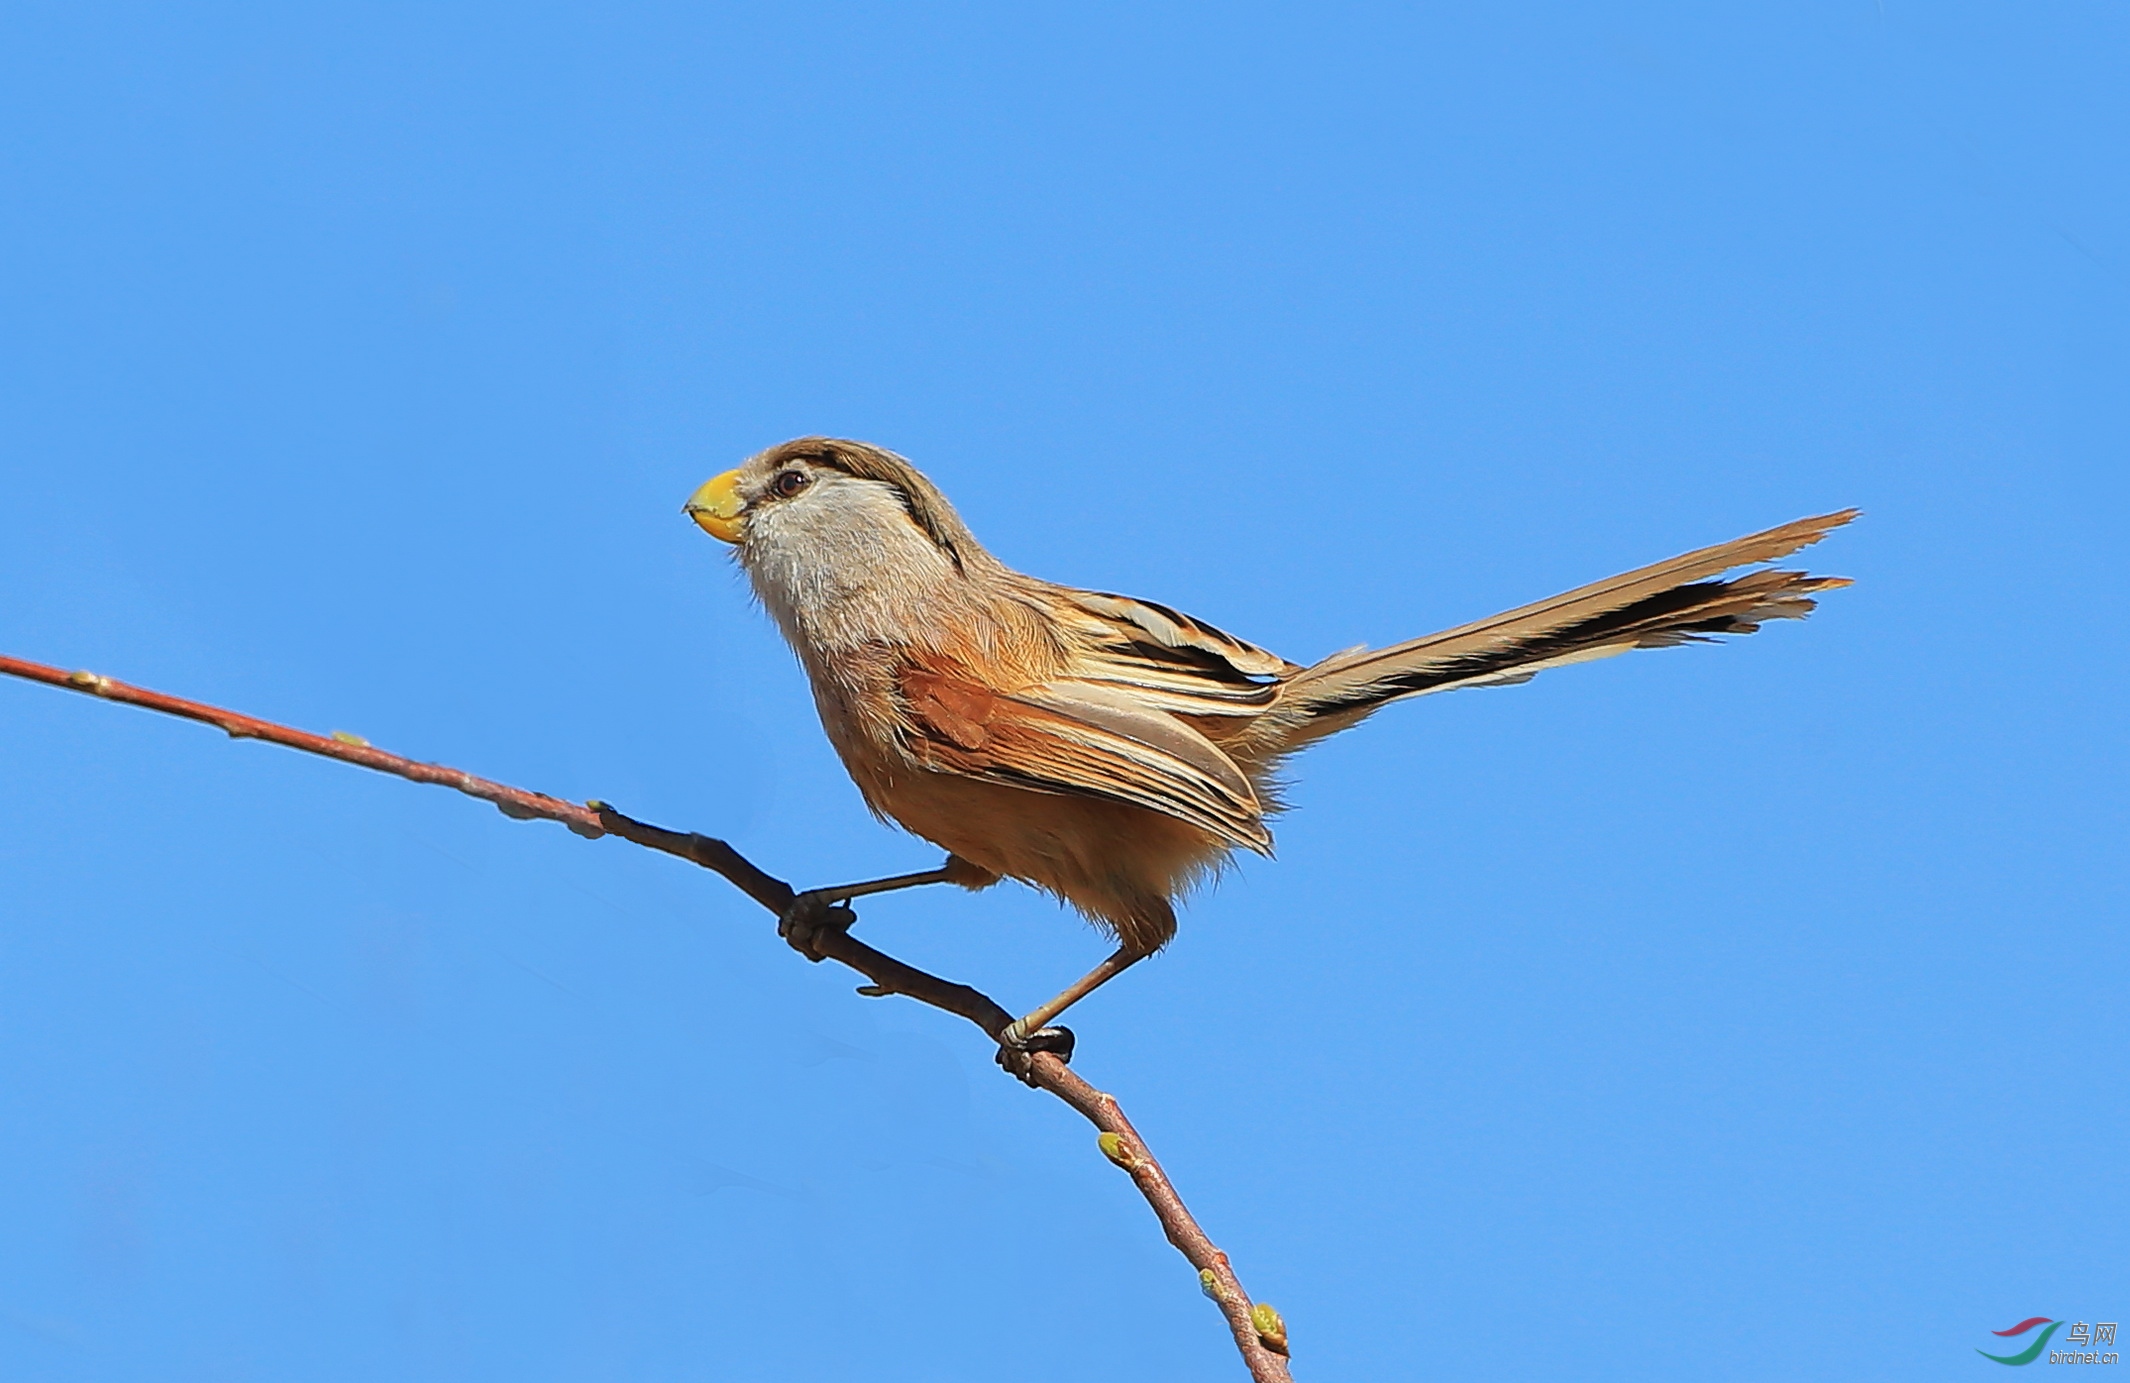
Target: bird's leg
1033, 1033
818, 909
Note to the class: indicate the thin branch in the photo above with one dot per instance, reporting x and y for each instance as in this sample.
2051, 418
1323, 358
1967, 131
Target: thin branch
1260, 1334
888, 975
353, 749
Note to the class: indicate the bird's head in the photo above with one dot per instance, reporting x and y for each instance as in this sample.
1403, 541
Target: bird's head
819, 515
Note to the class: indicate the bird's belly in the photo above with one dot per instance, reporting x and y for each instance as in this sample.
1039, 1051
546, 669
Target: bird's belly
1119, 864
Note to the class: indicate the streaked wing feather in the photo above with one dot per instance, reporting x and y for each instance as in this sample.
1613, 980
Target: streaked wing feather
1166, 660
1070, 738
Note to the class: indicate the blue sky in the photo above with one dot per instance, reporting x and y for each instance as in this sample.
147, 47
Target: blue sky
1729, 1013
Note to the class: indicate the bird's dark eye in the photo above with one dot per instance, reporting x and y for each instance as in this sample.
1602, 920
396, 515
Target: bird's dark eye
788, 483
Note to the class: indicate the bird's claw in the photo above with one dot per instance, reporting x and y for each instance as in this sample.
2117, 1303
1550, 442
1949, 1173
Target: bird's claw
1017, 1046
808, 916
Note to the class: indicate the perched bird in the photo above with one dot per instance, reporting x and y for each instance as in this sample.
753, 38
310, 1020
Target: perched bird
1107, 750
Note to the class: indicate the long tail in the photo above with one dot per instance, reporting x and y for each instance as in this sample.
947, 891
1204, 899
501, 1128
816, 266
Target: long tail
1657, 606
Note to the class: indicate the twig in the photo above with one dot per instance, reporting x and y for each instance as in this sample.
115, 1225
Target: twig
1260, 1334
889, 975
354, 749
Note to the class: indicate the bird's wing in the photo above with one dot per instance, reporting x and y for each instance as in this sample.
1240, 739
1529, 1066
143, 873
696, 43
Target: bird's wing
1164, 660
1081, 739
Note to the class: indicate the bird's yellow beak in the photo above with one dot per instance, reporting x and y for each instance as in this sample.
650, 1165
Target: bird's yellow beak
716, 507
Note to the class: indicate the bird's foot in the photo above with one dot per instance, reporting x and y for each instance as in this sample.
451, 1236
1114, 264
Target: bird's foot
808, 917
1017, 1047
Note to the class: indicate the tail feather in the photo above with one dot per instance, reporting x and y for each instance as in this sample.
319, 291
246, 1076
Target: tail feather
1656, 606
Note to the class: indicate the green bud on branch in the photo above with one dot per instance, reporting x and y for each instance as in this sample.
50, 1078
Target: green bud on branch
1271, 1329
